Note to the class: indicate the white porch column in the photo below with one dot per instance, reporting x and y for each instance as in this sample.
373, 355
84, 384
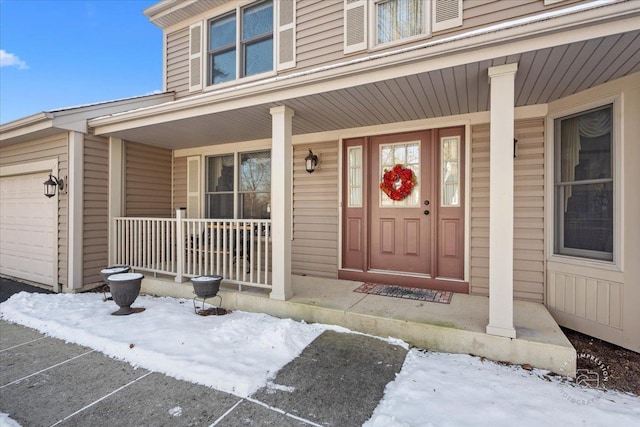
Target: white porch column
281, 173
502, 81
75, 191
116, 181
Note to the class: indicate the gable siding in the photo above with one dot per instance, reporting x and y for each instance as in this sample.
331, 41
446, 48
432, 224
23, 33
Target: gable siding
528, 242
148, 181
177, 57
45, 149
96, 208
314, 250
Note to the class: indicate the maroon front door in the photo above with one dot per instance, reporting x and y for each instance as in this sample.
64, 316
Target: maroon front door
401, 230
416, 241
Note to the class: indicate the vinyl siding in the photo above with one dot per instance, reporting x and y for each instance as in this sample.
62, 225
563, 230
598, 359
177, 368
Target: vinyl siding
320, 26
528, 244
177, 55
45, 149
179, 183
319, 34
96, 208
314, 250
148, 181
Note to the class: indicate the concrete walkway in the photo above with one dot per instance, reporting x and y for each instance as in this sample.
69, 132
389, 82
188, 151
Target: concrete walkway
338, 380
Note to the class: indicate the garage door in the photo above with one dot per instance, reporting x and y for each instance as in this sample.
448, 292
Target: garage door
27, 229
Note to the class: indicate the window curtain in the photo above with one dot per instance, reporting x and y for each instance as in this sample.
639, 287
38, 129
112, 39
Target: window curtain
398, 19
591, 125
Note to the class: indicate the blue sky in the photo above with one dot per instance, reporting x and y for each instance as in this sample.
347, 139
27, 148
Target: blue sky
60, 53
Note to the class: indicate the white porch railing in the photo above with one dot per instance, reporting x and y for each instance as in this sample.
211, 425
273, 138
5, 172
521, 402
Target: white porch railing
237, 250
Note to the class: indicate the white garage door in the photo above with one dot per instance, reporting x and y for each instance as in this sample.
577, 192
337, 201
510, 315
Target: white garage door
27, 229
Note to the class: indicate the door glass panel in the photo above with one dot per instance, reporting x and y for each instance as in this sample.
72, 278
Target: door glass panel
355, 177
406, 154
450, 172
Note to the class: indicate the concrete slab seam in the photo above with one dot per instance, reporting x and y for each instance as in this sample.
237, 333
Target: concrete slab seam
280, 411
101, 399
215, 423
20, 345
46, 369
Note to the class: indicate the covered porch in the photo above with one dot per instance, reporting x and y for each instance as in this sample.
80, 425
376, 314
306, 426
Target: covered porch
415, 89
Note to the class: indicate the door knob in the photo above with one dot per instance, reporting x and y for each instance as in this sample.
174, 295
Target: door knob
426, 211
426, 203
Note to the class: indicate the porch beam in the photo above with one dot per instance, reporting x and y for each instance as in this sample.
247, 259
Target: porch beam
502, 82
116, 182
281, 172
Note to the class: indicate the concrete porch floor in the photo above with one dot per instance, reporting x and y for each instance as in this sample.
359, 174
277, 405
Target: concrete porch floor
458, 327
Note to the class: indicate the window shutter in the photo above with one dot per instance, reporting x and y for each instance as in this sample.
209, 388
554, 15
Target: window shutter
286, 53
446, 14
195, 57
193, 187
355, 25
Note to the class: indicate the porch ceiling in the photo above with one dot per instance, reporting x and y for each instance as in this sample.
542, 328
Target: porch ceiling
543, 76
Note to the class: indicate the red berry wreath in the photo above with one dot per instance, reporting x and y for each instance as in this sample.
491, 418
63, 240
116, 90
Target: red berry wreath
398, 173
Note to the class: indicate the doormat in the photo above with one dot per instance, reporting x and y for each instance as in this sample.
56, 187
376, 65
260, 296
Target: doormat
443, 297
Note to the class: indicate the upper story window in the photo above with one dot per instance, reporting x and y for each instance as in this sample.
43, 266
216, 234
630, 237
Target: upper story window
241, 43
372, 23
399, 19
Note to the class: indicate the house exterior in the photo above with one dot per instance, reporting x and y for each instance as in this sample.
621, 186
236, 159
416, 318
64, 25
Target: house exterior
516, 119
58, 242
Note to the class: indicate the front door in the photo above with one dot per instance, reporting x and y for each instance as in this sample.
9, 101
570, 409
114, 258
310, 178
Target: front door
400, 230
412, 236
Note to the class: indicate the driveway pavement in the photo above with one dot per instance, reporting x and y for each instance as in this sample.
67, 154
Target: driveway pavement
338, 380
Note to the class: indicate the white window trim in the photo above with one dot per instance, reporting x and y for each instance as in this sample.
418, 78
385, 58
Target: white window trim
205, 51
618, 186
373, 28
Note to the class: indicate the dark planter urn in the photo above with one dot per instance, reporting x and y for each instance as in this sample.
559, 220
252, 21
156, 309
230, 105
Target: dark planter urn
125, 288
114, 269
206, 286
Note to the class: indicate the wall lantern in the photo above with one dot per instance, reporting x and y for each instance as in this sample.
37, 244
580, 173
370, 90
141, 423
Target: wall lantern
51, 184
311, 161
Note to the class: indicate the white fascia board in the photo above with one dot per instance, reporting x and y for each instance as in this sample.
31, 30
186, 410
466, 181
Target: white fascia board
39, 123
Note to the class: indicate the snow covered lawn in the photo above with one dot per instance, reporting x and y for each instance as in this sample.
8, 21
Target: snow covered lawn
240, 352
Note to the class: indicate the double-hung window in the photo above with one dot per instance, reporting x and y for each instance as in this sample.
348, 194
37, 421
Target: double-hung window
399, 19
584, 184
241, 43
238, 186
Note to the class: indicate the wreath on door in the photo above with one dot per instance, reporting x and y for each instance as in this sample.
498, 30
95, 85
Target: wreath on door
398, 182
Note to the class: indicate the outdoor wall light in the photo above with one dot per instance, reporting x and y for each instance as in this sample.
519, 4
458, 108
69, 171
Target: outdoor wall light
311, 161
51, 184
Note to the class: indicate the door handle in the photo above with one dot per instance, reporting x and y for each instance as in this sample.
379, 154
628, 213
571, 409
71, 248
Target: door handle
426, 203
426, 212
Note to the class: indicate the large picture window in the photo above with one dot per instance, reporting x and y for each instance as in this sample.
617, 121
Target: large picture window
241, 43
242, 195
583, 184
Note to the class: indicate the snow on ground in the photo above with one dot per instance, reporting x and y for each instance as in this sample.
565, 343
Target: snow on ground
241, 352
236, 353
440, 389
